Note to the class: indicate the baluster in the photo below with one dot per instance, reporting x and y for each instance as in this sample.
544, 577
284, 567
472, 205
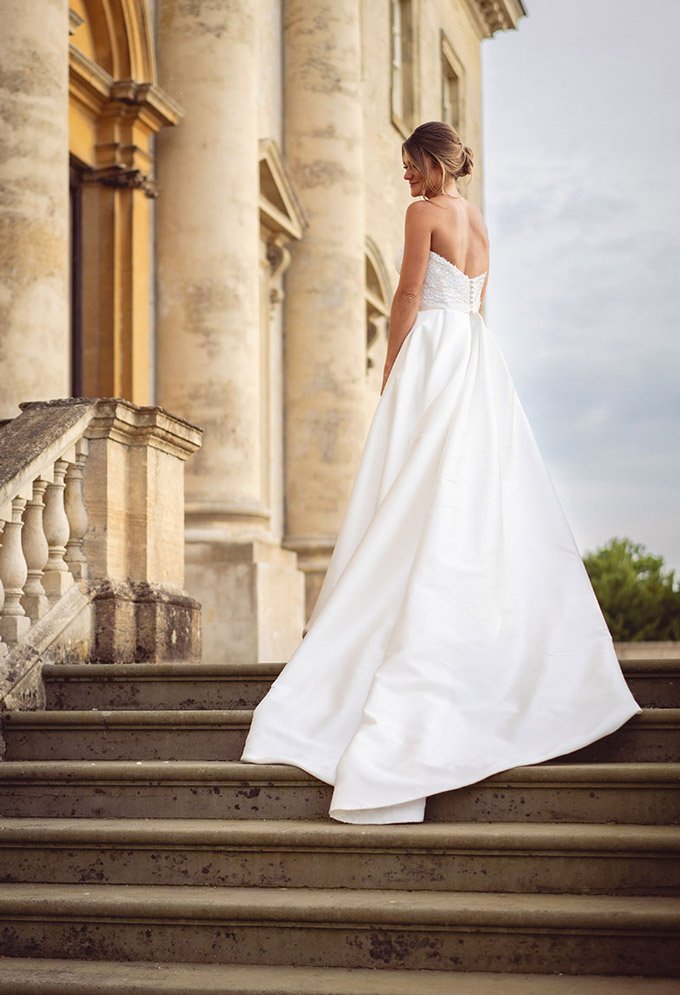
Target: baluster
57, 577
36, 552
3, 645
14, 622
76, 513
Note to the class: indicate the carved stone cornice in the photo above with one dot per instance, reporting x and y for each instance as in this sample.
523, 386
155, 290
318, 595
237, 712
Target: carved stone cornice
95, 89
279, 258
122, 177
158, 107
490, 16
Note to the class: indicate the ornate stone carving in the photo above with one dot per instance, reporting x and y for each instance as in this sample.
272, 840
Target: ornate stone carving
122, 177
278, 257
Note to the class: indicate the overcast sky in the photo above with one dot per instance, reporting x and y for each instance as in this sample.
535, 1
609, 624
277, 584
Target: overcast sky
581, 160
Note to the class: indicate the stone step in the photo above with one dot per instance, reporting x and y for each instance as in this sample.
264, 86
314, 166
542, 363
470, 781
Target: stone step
652, 735
641, 793
151, 685
499, 857
202, 734
655, 683
215, 734
648, 650
311, 927
46, 976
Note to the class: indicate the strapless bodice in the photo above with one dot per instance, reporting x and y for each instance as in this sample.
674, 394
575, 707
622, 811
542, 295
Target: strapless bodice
447, 286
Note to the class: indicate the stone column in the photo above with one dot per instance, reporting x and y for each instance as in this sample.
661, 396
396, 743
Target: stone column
35, 348
208, 328
325, 309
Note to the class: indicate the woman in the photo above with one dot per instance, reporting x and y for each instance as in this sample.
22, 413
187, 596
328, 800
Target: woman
456, 633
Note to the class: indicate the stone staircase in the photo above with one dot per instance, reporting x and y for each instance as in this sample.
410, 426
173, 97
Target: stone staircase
138, 855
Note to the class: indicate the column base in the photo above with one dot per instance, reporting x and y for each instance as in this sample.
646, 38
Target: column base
252, 596
313, 556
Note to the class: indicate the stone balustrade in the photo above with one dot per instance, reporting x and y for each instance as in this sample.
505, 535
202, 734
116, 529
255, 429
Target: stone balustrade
92, 538
39, 527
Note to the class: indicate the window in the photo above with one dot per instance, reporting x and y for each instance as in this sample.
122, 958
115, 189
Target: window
377, 313
403, 99
452, 87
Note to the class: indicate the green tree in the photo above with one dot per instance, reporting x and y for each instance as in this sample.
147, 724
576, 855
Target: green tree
638, 598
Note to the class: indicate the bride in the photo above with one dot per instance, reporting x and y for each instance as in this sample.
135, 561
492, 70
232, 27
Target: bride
456, 633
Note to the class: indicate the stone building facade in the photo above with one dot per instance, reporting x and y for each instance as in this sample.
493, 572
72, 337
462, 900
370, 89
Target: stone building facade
200, 201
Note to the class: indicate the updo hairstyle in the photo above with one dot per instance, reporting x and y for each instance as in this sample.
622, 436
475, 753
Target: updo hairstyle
438, 144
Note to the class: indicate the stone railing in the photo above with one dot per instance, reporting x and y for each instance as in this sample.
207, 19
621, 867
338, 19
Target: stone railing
91, 539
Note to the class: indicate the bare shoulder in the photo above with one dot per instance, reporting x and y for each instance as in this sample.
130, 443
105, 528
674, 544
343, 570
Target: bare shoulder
420, 217
418, 210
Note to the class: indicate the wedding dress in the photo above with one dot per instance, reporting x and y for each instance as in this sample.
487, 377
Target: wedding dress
456, 633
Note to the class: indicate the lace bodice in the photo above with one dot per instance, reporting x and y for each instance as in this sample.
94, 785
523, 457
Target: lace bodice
447, 286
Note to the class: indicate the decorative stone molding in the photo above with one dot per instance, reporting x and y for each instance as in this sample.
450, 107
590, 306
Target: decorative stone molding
490, 16
122, 178
74, 21
278, 257
280, 210
281, 217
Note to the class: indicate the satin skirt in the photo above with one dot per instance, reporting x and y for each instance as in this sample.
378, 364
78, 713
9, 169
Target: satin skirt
456, 633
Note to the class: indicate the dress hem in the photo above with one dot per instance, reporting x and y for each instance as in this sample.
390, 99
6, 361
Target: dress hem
613, 724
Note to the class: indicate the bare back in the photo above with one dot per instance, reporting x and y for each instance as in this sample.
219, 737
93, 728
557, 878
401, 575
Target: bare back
459, 234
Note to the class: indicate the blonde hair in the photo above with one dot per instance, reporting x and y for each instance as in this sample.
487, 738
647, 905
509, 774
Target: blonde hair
437, 143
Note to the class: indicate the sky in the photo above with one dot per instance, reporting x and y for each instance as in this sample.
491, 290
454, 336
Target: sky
581, 161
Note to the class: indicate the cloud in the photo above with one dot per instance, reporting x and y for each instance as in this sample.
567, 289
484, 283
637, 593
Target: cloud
582, 206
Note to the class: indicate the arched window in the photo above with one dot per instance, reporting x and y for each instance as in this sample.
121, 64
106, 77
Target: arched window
377, 313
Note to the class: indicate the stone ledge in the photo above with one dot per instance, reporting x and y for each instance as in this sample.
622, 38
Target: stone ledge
46, 976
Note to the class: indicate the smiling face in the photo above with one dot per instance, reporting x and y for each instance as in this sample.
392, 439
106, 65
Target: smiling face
415, 180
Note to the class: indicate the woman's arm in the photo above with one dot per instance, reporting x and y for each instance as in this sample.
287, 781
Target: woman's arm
417, 236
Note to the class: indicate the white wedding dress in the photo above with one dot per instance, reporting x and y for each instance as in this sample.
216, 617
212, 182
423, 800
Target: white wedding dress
456, 633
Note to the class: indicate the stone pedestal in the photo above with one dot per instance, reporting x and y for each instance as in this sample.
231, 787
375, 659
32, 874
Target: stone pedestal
34, 203
134, 544
325, 358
